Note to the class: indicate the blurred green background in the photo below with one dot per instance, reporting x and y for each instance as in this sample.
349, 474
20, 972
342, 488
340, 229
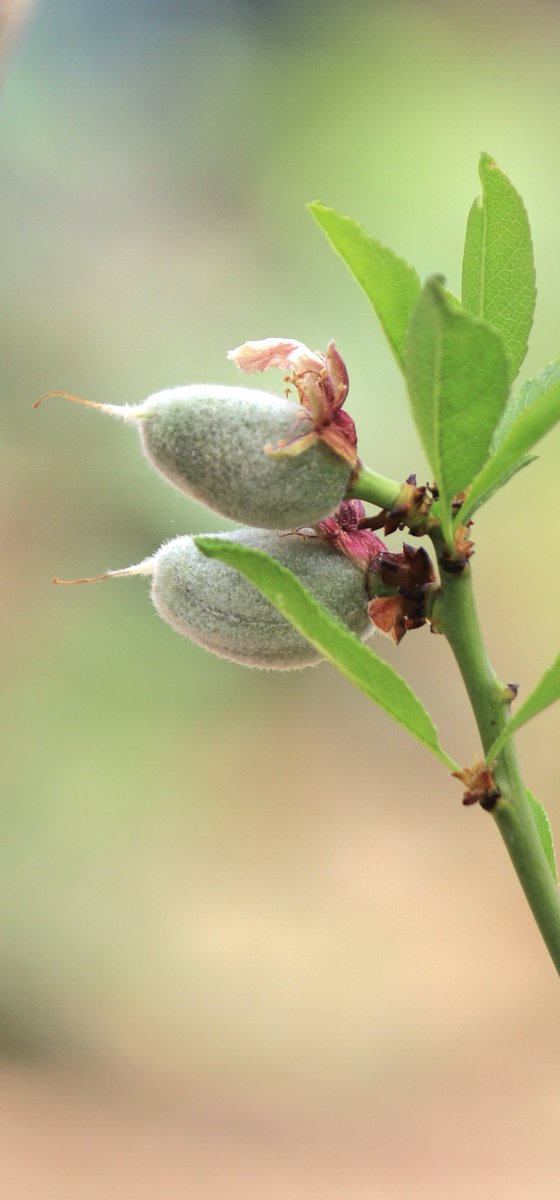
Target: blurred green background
251, 944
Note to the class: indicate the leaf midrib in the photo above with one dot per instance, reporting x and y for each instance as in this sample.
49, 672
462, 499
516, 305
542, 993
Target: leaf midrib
437, 406
484, 207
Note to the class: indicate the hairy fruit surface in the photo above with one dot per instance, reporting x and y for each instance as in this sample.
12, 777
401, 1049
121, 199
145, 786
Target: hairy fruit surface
214, 605
210, 441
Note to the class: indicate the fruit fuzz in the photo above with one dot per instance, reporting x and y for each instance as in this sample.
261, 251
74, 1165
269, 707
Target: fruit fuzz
270, 463
211, 442
215, 606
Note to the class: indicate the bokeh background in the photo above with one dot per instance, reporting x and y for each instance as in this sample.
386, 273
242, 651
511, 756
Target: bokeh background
251, 943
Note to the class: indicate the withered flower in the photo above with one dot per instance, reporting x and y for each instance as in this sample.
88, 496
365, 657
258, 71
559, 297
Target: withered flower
321, 382
479, 785
342, 530
412, 573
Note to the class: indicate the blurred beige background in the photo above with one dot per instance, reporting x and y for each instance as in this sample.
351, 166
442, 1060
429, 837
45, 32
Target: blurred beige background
251, 943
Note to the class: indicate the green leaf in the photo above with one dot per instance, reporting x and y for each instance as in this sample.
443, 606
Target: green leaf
540, 817
457, 375
525, 397
498, 268
522, 435
501, 482
333, 640
546, 693
391, 286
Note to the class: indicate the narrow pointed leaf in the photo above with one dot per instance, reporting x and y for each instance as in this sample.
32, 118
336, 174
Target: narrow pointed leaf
501, 482
540, 817
391, 286
498, 267
333, 640
546, 693
523, 434
457, 376
524, 398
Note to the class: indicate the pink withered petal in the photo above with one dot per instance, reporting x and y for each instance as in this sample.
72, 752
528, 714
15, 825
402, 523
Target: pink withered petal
321, 383
337, 442
363, 547
340, 435
342, 530
285, 353
328, 529
312, 394
291, 449
302, 360
338, 375
375, 545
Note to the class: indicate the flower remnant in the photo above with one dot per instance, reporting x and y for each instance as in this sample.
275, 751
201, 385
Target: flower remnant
412, 573
321, 382
343, 530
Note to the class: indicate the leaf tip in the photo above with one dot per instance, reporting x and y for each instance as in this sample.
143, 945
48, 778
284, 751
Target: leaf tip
436, 282
434, 287
207, 546
317, 208
486, 160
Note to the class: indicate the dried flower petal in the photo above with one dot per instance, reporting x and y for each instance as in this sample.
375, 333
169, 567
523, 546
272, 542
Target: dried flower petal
321, 382
285, 353
291, 447
342, 530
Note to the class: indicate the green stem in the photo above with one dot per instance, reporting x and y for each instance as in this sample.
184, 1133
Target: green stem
455, 614
376, 489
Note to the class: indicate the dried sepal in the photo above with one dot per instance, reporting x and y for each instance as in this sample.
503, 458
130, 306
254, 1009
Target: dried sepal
480, 787
464, 545
396, 615
412, 509
412, 574
387, 614
410, 569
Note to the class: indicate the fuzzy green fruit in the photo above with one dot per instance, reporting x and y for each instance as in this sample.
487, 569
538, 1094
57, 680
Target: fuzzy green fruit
211, 442
218, 608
